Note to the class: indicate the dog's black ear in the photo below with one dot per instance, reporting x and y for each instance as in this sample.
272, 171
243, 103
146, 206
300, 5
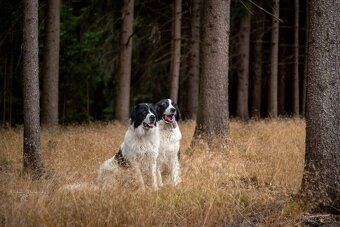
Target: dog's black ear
158, 108
178, 114
153, 108
133, 115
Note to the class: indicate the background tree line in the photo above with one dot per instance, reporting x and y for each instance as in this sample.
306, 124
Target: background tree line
89, 62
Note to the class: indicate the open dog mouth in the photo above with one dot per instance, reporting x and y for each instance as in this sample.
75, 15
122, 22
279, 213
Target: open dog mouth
148, 125
170, 119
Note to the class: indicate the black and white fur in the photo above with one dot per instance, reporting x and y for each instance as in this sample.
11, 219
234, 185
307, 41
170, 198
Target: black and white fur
169, 149
139, 151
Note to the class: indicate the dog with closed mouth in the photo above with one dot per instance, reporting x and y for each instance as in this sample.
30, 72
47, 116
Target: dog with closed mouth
168, 168
140, 148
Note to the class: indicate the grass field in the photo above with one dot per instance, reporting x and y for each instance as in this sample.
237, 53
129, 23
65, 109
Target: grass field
250, 182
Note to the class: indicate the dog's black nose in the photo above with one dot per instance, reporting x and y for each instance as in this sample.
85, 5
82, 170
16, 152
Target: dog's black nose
152, 118
172, 110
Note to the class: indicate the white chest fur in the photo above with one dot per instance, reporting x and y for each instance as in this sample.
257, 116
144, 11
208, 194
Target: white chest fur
170, 138
139, 142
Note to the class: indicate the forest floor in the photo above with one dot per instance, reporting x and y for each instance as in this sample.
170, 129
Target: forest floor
250, 182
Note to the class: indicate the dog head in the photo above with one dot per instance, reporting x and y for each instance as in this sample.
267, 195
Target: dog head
168, 111
144, 115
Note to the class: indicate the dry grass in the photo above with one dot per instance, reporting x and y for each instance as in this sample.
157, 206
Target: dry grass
250, 181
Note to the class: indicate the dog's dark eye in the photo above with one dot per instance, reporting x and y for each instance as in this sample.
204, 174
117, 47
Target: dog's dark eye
164, 104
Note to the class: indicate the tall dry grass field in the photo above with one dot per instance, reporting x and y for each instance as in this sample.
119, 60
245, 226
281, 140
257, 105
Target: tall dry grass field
249, 182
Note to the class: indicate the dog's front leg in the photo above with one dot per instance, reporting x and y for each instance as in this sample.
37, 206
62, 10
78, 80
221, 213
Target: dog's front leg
139, 176
175, 172
154, 177
159, 177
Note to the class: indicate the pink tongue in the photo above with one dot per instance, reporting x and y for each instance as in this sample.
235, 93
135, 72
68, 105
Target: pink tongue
174, 124
168, 117
171, 118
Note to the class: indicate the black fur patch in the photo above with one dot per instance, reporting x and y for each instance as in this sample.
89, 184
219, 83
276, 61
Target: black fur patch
121, 160
178, 114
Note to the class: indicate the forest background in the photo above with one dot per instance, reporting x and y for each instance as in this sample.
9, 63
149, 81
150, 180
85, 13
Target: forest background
89, 57
264, 68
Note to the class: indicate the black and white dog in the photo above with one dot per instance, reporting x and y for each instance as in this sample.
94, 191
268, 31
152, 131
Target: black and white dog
139, 149
169, 149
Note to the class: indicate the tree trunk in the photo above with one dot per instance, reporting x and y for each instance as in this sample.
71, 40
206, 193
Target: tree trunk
274, 49
321, 178
281, 99
8, 71
281, 89
305, 70
296, 97
32, 162
176, 49
258, 53
123, 93
213, 113
51, 66
242, 110
11, 67
5, 85
194, 67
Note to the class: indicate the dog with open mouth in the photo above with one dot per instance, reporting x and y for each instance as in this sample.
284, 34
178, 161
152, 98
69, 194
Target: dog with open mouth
140, 148
168, 169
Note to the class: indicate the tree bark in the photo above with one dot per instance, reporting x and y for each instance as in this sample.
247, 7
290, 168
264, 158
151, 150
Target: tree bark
274, 50
194, 67
242, 110
305, 70
50, 69
5, 86
296, 97
213, 113
321, 178
176, 49
258, 60
123, 91
281, 104
281, 86
32, 162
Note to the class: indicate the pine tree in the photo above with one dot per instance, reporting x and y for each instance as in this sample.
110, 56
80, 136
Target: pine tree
32, 163
321, 178
50, 71
213, 114
123, 93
